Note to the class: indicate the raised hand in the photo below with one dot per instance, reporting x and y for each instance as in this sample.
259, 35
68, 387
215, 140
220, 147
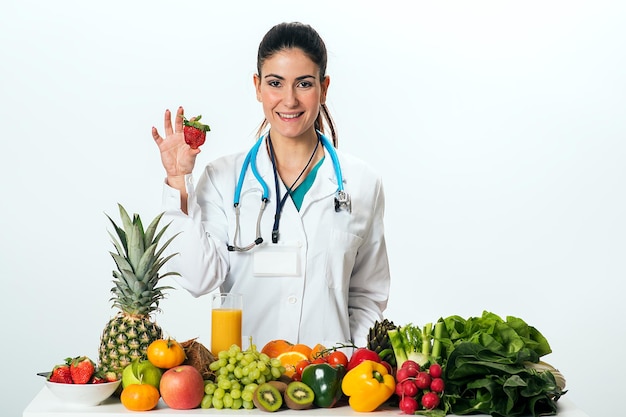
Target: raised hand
177, 157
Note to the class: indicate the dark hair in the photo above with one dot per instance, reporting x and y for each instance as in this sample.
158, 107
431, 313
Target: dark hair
302, 36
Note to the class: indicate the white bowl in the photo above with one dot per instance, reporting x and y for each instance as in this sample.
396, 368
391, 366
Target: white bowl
83, 394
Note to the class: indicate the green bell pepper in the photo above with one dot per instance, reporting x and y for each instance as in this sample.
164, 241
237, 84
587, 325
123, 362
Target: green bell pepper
325, 381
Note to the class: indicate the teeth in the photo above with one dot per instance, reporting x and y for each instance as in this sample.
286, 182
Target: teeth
289, 116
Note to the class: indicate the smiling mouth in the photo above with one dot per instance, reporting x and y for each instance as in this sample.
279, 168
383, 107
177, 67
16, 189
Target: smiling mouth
290, 115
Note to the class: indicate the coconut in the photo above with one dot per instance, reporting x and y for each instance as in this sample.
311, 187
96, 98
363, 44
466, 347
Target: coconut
199, 357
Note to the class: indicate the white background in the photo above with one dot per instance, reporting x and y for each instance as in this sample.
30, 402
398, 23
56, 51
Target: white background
498, 127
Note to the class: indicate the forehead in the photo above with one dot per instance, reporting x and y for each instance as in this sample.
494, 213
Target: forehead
287, 62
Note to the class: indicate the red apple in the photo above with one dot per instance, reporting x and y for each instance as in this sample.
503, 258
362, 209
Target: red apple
182, 387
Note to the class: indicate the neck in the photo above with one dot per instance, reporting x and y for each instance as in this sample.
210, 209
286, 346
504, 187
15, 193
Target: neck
292, 155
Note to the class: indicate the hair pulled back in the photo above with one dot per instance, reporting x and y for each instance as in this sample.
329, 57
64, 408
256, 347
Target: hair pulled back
291, 35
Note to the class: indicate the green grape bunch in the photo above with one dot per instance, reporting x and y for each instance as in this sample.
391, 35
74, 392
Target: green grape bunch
237, 375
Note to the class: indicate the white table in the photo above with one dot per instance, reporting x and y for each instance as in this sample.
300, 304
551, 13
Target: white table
45, 404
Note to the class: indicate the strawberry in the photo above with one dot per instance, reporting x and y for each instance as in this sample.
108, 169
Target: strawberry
61, 374
195, 132
97, 379
110, 376
100, 377
82, 369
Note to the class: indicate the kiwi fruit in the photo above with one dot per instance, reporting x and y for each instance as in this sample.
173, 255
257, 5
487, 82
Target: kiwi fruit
284, 378
299, 396
267, 397
281, 386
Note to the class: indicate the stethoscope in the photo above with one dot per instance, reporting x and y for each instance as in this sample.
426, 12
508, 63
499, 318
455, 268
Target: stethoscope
342, 199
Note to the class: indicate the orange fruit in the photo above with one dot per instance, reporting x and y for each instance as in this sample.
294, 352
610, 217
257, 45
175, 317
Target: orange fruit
302, 348
166, 353
290, 360
317, 351
273, 348
140, 397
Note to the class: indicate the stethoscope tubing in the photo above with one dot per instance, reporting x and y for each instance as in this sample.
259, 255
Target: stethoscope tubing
250, 161
342, 199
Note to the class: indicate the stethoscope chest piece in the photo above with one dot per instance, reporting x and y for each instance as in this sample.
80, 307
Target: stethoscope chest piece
342, 201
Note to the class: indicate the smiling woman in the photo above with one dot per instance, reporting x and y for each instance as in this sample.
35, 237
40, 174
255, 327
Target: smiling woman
288, 281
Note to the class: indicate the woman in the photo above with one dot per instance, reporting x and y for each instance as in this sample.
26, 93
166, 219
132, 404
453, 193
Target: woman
320, 274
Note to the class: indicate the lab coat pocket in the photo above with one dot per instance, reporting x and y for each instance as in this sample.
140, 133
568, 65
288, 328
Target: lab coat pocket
340, 258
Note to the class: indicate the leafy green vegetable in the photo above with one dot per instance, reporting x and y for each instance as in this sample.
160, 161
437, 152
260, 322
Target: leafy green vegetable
484, 367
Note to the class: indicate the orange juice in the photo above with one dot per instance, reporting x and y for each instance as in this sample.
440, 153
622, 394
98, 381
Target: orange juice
225, 329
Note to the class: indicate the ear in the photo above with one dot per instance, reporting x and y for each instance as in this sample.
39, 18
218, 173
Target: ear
325, 84
257, 86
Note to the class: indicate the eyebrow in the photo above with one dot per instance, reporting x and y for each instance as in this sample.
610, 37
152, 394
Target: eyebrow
300, 78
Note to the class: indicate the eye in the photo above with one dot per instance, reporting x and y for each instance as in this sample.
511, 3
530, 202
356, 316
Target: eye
305, 84
273, 83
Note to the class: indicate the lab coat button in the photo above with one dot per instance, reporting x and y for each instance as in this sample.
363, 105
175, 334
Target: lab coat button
292, 299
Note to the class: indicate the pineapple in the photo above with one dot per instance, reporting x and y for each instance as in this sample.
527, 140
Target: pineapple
136, 294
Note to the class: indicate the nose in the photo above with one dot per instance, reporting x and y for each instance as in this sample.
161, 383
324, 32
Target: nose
290, 99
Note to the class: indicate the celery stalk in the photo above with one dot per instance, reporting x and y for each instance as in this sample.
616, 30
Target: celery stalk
436, 352
426, 337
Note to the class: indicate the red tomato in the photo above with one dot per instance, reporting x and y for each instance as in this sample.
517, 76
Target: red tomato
338, 358
320, 360
301, 365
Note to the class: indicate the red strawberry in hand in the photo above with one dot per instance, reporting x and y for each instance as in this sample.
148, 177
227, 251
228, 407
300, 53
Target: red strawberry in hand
82, 369
195, 132
61, 374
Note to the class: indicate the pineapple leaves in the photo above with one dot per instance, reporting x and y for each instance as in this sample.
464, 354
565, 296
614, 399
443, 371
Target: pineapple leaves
138, 260
151, 230
135, 242
146, 261
121, 245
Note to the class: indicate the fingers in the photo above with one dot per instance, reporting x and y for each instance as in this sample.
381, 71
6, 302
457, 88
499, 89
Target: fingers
167, 122
179, 119
178, 122
155, 135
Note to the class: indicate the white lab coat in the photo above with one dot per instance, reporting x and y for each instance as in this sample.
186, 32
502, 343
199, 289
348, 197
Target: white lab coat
343, 283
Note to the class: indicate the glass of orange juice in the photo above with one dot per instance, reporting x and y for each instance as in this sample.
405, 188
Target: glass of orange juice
226, 313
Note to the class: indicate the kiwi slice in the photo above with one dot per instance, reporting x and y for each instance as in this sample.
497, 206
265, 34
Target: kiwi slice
299, 396
267, 397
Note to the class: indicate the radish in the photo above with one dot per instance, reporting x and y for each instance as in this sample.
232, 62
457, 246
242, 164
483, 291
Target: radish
422, 380
409, 388
402, 374
430, 400
409, 364
437, 385
435, 370
408, 405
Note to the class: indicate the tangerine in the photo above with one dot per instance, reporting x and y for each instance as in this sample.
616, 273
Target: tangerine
317, 351
166, 353
290, 361
140, 397
273, 348
302, 348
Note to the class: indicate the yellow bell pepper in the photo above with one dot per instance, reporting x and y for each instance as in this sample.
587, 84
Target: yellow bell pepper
368, 385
